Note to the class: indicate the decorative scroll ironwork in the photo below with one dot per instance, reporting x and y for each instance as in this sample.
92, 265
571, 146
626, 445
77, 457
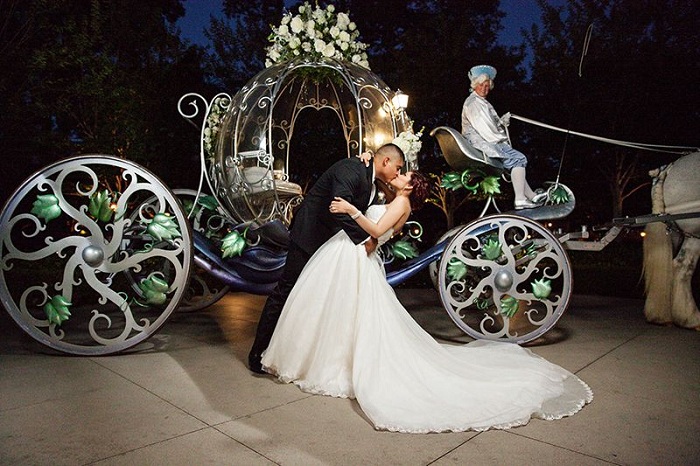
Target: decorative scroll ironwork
95, 254
505, 278
260, 120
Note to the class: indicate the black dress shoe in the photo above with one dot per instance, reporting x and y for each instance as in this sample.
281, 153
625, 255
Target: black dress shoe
255, 365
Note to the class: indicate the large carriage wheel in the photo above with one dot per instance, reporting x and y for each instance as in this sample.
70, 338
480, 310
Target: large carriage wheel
505, 278
95, 254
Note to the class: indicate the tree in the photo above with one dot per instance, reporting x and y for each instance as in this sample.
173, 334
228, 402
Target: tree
103, 77
634, 83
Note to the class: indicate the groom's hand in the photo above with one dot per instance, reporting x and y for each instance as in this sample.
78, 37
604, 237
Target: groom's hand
370, 245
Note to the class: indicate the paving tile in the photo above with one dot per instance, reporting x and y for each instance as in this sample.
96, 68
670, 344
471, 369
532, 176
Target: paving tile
507, 447
89, 425
206, 446
325, 430
27, 380
208, 382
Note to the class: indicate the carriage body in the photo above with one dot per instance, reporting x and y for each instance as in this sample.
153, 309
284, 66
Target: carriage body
126, 251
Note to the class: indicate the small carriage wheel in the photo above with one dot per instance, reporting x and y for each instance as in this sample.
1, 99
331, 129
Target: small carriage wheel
203, 289
83, 246
505, 278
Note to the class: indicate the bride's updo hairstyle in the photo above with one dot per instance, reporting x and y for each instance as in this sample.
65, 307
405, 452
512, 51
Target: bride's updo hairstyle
421, 190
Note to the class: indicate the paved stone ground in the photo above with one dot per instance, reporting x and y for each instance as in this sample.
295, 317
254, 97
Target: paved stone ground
186, 397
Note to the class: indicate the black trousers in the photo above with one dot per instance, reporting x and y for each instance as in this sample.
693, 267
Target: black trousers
295, 263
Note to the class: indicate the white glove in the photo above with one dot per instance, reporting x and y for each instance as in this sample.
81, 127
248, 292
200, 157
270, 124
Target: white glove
505, 119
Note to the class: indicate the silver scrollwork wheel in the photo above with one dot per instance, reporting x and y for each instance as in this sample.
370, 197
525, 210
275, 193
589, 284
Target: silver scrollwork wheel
95, 254
505, 278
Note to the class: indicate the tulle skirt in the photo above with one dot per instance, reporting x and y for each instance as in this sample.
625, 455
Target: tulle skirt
344, 333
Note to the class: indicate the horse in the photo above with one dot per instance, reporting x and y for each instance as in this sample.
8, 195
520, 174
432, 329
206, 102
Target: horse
667, 276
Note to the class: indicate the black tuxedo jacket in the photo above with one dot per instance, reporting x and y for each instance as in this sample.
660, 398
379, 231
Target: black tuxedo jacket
313, 224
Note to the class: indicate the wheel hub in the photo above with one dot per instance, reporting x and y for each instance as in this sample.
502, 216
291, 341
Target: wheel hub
93, 256
503, 280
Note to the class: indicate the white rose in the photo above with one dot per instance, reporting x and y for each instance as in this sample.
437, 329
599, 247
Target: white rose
343, 46
343, 20
330, 8
294, 42
286, 19
302, 8
311, 28
274, 55
334, 32
363, 64
328, 50
283, 30
319, 45
268, 63
356, 58
344, 36
297, 25
306, 47
352, 26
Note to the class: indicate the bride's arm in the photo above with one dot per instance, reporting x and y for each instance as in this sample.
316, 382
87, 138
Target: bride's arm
395, 216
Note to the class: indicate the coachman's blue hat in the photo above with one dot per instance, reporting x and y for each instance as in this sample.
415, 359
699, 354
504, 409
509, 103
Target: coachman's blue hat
478, 70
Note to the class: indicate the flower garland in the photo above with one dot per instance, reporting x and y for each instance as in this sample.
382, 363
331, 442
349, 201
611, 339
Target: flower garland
316, 33
211, 126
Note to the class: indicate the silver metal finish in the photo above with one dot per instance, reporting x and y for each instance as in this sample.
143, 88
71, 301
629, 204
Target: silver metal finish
248, 161
504, 278
95, 254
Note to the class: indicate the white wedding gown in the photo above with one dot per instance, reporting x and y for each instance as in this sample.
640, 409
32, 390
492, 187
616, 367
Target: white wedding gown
344, 333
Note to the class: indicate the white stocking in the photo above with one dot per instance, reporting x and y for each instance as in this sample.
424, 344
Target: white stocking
517, 176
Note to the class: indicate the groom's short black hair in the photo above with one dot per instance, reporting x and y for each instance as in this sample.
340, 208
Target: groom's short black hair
391, 149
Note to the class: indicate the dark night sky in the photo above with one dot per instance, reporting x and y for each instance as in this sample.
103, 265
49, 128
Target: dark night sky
519, 14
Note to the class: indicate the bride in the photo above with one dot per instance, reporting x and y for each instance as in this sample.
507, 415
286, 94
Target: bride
344, 333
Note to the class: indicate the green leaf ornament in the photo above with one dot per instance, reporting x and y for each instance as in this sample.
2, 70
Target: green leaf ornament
509, 306
46, 206
466, 177
491, 185
456, 269
491, 249
451, 180
404, 249
57, 309
208, 202
559, 195
541, 288
233, 245
163, 227
99, 206
154, 290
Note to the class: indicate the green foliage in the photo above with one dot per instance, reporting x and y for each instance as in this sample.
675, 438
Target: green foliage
491, 249
509, 306
456, 269
163, 227
541, 288
154, 290
559, 195
233, 244
404, 249
57, 309
46, 206
100, 206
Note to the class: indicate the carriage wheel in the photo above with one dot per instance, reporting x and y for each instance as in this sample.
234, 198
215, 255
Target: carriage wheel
505, 278
95, 254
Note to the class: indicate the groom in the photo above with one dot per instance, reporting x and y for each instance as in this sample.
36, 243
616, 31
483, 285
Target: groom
313, 225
